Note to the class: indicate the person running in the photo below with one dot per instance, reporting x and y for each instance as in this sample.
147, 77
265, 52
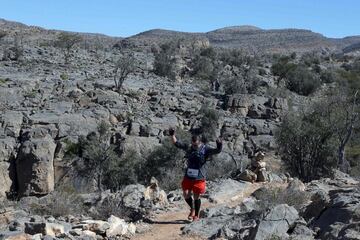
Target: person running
194, 180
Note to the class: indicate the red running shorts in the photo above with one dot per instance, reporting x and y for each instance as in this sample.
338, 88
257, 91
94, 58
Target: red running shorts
197, 186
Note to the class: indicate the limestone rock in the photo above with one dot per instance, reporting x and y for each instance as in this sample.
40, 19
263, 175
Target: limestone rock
118, 227
225, 189
276, 222
35, 166
6, 178
51, 229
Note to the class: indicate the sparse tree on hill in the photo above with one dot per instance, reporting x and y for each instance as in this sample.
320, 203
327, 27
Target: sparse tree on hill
2, 34
66, 41
164, 63
343, 115
123, 67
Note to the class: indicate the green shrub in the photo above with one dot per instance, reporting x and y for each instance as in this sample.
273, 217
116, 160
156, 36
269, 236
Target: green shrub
62, 202
246, 82
282, 66
209, 122
123, 171
204, 68
302, 81
71, 148
166, 163
236, 57
31, 93
310, 59
262, 72
328, 76
64, 76
164, 64
306, 144
353, 155
112, 206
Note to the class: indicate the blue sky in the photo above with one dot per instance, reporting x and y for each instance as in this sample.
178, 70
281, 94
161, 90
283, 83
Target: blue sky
333, 18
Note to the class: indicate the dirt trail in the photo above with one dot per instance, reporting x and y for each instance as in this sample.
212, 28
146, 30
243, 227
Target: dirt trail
167, 226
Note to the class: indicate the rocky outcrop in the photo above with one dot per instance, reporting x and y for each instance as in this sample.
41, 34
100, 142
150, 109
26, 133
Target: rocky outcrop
35, 163
276, 222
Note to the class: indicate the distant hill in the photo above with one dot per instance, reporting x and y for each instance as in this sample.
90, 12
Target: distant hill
255, 39
247, 37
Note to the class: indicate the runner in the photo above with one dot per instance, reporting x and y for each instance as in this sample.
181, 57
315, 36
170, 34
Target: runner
194, 182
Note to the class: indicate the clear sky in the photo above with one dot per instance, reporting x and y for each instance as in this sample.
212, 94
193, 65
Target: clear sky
333, 18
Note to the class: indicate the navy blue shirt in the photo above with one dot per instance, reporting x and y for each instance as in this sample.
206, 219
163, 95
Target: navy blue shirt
198, 157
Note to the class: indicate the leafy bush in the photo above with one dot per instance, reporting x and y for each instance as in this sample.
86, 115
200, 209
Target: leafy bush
112, 206
306, 144
209, 122
351, 77
99, 155
328, 76
245, 82
166, 163
61, 202
164, 63
302, 81
310, 59
282, 66
66, 41
236, 57
204, 68
64, 76
123, 171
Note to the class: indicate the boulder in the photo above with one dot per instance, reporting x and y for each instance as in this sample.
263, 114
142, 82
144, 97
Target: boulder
207, 227
51, 229
350, 232
7, 147
132, 195
71, 124
342, 210
6, 178
14, 235
260, 127
226, 189
118, 227
154, 194
263, 142
276, 222
96, 226
35, 166
11, 121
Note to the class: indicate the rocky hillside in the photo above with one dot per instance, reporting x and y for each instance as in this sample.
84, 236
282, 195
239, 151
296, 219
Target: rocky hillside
254, 39
75, 149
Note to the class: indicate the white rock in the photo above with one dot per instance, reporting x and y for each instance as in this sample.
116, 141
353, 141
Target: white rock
117, 227
131, 228
89, 233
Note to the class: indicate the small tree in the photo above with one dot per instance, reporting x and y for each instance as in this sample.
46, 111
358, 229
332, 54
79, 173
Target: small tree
98, 152
123, 67
2, 34
281, 67
342, 115
302, 81
306, 144
209, 121
66, 41
164, 64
